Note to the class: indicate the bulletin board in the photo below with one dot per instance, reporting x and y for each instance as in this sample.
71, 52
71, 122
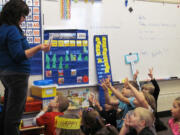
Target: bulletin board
150, 29
67, 61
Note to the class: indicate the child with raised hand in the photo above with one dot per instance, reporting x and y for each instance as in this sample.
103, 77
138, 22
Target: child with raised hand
141, 119
154, 89
46, 117
108, 112
68, 124
125, 101
143, 99
174, 122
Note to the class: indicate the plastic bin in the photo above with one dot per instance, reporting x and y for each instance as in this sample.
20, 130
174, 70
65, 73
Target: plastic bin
43, 91
43, 82
33, 106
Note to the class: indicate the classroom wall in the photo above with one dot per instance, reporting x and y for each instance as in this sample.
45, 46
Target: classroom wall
169, 91
155, 36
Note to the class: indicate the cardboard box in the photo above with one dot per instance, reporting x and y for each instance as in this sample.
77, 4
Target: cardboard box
43, 91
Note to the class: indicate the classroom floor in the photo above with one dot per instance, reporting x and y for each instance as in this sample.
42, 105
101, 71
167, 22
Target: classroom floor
165, 132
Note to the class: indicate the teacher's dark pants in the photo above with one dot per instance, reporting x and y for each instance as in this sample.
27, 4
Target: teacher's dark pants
16, 86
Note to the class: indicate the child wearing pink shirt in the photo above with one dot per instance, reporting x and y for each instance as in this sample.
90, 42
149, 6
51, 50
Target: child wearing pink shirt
174, 123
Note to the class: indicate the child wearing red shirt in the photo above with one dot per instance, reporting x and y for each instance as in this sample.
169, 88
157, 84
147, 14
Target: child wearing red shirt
47, 116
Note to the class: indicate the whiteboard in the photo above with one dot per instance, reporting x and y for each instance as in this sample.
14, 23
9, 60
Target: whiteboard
152, 30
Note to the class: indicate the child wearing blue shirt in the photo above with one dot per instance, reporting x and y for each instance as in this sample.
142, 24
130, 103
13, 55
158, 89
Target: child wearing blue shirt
125, 101
14, 64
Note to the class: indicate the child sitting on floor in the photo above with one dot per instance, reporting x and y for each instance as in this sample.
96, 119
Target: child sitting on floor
154, 89
125, 98
108, 112
142, 98
47, 116
174, 123
68, 124
91, 121
141, 119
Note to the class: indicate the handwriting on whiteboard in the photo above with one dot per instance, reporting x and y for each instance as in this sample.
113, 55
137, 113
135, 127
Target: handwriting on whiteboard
156, 29
154, 53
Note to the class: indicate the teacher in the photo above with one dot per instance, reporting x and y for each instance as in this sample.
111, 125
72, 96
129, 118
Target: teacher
14, 64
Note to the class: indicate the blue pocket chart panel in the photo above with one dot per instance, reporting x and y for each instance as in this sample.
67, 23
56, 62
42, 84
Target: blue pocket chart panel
67, 61
103, 66
32, 30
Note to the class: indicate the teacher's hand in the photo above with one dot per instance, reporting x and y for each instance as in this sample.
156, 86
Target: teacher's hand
45, 47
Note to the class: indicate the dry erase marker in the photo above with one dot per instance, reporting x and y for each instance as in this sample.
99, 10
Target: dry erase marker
173, 77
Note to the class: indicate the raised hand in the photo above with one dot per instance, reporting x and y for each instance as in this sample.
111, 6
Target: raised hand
108, 82
45, 108
90, 99
125, 128
135, 75
150, 74
103, 85
96, 103
126, 82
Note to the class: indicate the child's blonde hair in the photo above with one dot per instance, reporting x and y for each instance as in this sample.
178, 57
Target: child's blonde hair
150, 99
177, 100
63, 103
149, 87
145, 115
